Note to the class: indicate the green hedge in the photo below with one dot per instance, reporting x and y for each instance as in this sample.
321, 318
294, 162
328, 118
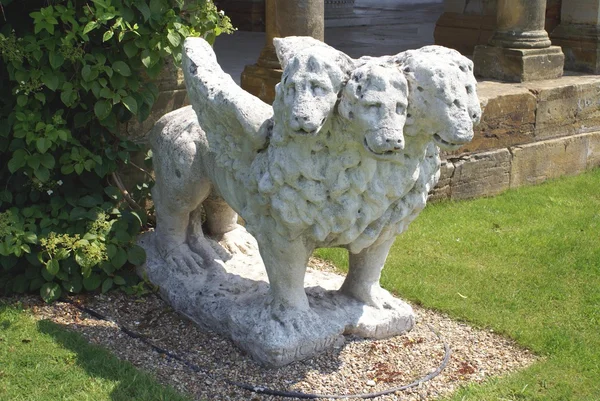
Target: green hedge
77, 71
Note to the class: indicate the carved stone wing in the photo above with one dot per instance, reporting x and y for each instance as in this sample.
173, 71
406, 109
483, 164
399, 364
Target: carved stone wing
229, 115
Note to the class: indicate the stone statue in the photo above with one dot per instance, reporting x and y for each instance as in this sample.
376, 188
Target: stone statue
344, 158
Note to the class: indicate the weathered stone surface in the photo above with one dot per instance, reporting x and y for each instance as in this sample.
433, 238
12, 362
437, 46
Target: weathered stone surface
344, 158
443, 188
463, 31
518, 65
593, 153
481, 174
508, 118
537, 162
581, 46
520, 25
261, 81
567, 106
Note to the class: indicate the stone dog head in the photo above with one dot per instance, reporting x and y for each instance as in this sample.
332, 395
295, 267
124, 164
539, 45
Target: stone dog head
313, 75
374, 104
443, 99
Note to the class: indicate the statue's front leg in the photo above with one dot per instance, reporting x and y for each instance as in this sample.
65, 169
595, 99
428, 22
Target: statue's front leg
362, 281
285, 262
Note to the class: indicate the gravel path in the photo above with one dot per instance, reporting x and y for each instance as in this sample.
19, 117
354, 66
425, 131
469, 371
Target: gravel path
360, 366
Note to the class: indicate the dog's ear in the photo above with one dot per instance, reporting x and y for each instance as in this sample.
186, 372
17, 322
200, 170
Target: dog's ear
287, 47
345, 62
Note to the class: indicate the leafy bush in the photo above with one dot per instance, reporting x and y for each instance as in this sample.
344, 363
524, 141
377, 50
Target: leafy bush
77, 71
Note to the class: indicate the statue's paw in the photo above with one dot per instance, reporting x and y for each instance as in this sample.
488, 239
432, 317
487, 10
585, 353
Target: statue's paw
238, 241
374, 296
293, 321
202, 247
184, 260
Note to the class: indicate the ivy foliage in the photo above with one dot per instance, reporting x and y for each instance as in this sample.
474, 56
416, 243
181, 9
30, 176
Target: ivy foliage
73, 73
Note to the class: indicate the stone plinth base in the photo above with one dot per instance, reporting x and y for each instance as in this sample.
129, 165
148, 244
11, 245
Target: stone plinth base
261, 81
518, 65
232, 298
581, 45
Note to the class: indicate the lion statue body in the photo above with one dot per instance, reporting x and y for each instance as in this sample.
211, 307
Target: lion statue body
344, 158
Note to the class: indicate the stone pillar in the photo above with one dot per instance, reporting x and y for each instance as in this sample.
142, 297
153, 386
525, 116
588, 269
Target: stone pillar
520, 49
579, 35
284, 18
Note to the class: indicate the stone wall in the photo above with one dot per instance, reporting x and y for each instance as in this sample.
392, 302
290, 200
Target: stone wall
529, 132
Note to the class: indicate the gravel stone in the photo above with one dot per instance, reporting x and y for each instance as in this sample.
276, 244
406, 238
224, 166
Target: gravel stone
359, 366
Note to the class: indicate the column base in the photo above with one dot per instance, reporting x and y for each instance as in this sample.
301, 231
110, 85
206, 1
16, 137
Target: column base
261, 81
518, 65
581, 45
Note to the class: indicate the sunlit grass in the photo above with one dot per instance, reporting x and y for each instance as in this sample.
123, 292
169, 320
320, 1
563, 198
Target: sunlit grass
525, 263
43, 361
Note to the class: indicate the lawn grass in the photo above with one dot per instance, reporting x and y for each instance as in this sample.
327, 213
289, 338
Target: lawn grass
43, 361
525, 263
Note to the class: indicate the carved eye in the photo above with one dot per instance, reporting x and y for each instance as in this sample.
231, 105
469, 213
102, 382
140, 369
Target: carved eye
469, 89
400, 108
456, 103
316, 89
291, 89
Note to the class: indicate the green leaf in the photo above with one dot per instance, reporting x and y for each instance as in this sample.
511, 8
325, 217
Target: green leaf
53, 266
22, 100
107, 285
77, 213
90, 26
174, 38
41, 97
47, 160
157, 7
88, 201
136, 255
119, 280
17, 161
149, 58
102, 109
130, 49
107, 35
51, 81
86, 73
111, 250
122, 68
144, 9
56, 60
43, 144
74, 284
130, 103
42, 174
92, 282
119, 259
50, 292
30, 237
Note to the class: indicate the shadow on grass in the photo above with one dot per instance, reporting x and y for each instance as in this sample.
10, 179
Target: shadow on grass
130, 383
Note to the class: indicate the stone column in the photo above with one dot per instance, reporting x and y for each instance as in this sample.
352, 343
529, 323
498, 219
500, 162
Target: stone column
579, 35
284, 18
520, 49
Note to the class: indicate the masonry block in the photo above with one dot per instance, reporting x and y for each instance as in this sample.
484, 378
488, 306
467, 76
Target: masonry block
537, 162
481, 174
